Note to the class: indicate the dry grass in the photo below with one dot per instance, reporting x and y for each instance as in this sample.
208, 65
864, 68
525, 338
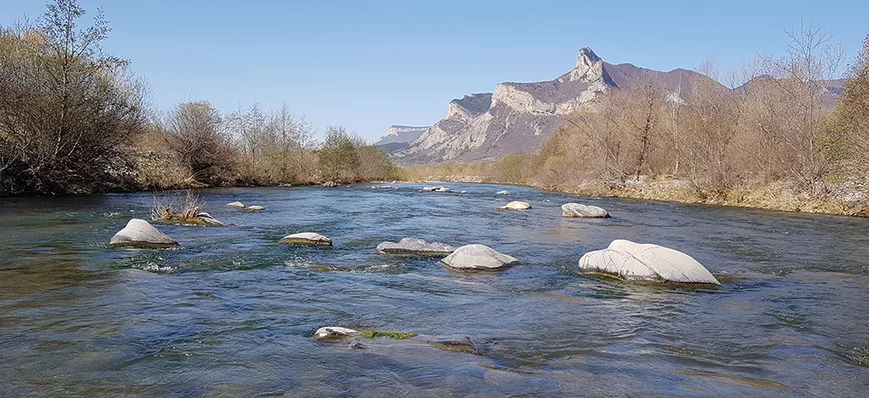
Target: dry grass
178, 208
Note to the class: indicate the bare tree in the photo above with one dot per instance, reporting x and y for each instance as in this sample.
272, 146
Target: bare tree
194, 132
65, 106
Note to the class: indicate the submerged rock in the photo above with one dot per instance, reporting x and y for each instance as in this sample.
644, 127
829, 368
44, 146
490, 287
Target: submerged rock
631, 261
478, 257
457, 345
436, 189
515, 205
504, 192
580, 210
139, 232
414, 246
334, 332
236, 205
255, 208
309, 238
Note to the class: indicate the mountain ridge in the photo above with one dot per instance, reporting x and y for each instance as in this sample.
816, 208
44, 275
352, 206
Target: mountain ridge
517, 117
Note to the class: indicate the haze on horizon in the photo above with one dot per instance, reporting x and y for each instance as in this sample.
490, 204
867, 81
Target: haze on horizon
370, 66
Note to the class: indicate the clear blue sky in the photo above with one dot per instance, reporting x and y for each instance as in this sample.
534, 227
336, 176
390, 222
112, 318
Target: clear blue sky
367, 65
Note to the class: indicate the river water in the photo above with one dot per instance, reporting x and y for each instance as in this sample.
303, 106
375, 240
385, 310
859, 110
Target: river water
231, 312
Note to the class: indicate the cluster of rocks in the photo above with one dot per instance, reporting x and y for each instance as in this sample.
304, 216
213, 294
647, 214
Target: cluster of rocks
242, 206
622, 259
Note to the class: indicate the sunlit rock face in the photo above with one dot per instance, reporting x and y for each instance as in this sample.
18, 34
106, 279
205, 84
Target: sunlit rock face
518, 117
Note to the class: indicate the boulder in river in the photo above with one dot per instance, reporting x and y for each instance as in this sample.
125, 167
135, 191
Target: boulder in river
631, 261
331, 184
308, 238
235, 205
255, 208
477, 258
583, 211
515, 205
334, 332
504, 192
415, 246
139, 232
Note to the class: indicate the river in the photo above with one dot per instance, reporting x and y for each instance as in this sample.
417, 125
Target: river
232, 312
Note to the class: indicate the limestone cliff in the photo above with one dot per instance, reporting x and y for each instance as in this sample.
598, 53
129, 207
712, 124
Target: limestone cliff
518, 117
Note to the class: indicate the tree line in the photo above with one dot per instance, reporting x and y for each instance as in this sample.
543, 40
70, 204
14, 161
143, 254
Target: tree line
74, 119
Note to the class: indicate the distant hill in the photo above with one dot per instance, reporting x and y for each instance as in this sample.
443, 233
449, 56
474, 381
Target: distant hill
519, 117
400, 135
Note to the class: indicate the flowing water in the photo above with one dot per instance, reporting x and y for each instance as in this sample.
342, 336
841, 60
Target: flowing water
232, 312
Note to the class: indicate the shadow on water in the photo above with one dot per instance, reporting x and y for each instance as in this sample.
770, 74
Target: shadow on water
231, 311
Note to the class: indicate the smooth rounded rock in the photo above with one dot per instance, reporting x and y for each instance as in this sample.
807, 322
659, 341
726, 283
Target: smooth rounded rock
308, 238
515, 205
236, 205
583, 211
334, 332
139, 232
414, 246
478, 258
504, 192
631, 261
255, 208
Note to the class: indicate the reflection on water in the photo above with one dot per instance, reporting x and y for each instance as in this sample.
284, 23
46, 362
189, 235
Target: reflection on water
231, 312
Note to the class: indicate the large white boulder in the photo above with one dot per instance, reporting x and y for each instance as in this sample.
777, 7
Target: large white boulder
236, 205
631, 261
414, 246
478, 257
308, 238
580, 210
139, 232
504, 192
255, 208
515, 205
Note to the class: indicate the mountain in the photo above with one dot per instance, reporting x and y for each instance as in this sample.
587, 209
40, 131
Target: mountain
400, 134
518, 117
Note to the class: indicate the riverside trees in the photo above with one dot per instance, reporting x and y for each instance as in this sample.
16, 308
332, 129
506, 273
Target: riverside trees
73, 120
65, 105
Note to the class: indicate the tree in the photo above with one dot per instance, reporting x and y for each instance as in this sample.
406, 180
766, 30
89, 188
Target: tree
337, 157
850, 130
66, 107
193, 132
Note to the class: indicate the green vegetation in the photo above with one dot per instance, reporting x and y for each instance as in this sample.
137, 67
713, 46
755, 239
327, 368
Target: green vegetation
395, 335
73, 120
775, 142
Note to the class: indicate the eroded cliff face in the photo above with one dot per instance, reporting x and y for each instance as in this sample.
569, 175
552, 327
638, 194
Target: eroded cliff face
516, 118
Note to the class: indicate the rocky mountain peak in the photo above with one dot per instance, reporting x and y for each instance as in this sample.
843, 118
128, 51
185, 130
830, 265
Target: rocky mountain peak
586, 58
